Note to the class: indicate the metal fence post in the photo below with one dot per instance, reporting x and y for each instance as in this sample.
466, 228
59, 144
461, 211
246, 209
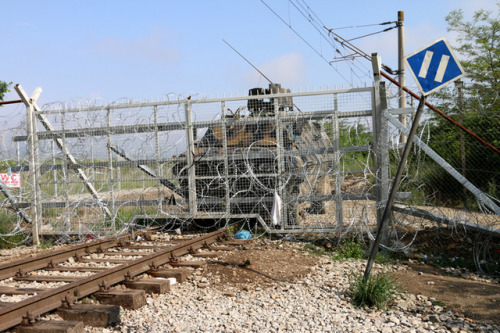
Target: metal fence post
111, 177
226, 158
34, 161
336, 164
380, 142
190, 158
54, 171
285, 217
67, 214
34, 181
159, 166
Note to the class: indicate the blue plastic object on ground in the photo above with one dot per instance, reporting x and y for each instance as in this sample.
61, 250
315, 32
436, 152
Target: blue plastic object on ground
243, 234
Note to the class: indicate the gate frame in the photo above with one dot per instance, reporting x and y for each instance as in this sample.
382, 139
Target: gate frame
379, 104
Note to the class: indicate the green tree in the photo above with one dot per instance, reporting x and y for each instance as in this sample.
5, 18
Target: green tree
478, 45
4, 87
476, 105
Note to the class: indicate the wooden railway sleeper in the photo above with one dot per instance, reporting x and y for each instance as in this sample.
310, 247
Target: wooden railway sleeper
102, 281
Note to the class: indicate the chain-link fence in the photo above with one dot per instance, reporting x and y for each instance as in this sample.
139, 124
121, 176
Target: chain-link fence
283, 162
98, 168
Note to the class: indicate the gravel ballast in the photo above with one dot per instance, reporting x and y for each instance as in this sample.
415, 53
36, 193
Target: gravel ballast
316, 303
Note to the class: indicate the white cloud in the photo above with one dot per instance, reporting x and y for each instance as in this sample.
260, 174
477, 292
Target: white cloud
152, 47
288, 69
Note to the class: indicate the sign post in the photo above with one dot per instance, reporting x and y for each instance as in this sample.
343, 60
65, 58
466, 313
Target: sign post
433, 67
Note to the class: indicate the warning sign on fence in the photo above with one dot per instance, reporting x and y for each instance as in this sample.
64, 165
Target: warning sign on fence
11, 180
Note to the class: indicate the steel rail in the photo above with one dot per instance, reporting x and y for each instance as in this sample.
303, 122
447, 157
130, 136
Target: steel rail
44, 302
53, 258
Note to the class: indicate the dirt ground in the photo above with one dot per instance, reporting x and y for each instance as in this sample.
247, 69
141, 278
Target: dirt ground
476, 300
270, 264
260, 264
264, 264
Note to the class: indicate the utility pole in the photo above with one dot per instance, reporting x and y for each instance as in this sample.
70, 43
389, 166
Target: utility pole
401, 73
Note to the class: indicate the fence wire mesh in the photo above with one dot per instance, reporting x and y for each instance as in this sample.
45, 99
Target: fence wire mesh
107, 167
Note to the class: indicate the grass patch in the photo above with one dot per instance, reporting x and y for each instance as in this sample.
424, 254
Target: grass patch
383, 257
379, 290
353, 247
233, 229
439, 303
9, 239
313, 250
46, 243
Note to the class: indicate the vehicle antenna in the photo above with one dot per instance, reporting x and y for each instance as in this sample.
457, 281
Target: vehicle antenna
247, 61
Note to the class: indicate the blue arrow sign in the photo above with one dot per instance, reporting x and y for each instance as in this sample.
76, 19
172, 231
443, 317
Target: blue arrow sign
434, 66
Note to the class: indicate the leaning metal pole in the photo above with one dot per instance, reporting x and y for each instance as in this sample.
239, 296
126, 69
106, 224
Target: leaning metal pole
394, 189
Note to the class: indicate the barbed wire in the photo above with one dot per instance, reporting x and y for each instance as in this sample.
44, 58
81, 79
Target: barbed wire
137, 199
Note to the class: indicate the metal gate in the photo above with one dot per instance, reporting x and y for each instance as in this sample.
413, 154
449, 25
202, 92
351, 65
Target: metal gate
295, 162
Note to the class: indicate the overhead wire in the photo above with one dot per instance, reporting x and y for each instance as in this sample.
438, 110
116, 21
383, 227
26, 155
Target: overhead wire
432, 107
373, 33
303, 39
316, 22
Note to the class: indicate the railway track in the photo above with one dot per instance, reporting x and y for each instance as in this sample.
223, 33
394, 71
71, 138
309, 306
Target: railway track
95, 267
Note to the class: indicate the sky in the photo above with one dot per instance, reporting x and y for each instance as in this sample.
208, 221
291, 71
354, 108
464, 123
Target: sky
107, 50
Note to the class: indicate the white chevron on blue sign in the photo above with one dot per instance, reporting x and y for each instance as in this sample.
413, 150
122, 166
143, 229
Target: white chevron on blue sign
434, 66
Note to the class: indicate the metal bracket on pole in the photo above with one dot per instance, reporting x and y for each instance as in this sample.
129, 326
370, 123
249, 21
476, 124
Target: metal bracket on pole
48, 126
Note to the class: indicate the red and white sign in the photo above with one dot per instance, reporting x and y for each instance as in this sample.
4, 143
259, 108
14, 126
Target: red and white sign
12, 180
